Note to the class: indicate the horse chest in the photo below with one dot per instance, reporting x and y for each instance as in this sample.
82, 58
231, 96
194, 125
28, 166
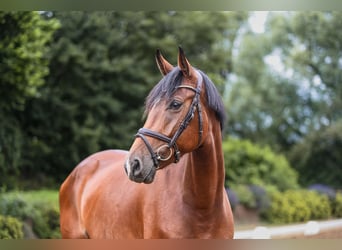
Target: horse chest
174, 220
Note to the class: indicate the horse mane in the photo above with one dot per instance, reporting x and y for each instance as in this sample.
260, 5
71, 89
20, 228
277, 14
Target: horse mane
168, 84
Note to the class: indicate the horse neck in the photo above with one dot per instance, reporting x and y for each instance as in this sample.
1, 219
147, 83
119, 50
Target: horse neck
204, 175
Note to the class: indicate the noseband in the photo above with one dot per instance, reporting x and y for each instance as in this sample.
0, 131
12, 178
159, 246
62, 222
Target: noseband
171, 142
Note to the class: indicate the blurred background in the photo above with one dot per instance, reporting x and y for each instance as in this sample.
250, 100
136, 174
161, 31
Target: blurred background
74, 83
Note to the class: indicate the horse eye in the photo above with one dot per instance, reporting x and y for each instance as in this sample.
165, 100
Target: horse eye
175, 105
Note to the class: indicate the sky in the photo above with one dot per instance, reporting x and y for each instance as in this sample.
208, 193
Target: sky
257, 21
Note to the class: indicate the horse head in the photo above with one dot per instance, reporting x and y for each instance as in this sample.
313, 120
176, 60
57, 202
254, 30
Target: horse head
177, 120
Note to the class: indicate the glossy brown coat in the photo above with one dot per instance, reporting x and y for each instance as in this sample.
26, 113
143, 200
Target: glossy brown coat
183, 200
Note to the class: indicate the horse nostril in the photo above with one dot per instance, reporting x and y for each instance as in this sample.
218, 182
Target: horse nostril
136, 167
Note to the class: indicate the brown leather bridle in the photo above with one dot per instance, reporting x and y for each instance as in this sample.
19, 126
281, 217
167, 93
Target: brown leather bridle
171, 142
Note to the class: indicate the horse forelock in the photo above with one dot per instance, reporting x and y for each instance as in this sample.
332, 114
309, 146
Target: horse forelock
164, 89
168, 85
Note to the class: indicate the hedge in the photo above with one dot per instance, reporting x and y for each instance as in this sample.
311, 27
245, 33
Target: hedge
10, 228
297, 206
250, 164
42, 218
337, 205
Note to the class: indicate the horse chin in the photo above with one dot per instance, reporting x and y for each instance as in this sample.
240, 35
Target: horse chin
147, 179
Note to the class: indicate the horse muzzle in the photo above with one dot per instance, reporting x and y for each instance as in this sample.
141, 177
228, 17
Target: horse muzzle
140, 171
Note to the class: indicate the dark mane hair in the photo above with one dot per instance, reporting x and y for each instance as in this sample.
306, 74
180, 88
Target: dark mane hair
167, 86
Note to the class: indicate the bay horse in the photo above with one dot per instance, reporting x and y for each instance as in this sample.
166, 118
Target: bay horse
178, 153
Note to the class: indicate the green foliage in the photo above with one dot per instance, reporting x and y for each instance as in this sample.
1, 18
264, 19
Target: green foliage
10, 149
10, 228
247, 163
280, 211
14, 206
73, 83
23, 65
244, 195
300, 211
319, 62
320, 153
297, 206
45, 220
37, 210
319, 205
36, 196
251, 196
278, 102
337, 205
261, 197
101, 69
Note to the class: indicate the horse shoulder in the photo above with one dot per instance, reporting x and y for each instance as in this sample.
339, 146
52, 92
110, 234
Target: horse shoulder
87, 168
72, 189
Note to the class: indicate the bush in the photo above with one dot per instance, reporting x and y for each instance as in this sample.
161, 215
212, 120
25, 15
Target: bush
245, 196
42, 216
297, 206
45, 221
337, 205
288, 207
253, 197
247, 163
14, 206
323, 189
262, 201
10, 228
335, 198
279, 211
301, 210
319, 205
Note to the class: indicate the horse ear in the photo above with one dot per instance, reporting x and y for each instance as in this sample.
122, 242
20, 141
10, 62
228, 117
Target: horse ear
163, 65
184, 64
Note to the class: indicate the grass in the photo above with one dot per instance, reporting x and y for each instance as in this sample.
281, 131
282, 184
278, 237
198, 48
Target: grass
43, 195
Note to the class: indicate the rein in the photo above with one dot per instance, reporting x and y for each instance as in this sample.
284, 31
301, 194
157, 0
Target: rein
171, 142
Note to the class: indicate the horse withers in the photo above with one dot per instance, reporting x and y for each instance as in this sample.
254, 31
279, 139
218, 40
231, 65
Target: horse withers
178, 153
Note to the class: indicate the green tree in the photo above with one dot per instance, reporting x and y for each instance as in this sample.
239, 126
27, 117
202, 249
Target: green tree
287, 79
23, 66
262, 106
102, 67
23, 36
318, 158
313, 49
